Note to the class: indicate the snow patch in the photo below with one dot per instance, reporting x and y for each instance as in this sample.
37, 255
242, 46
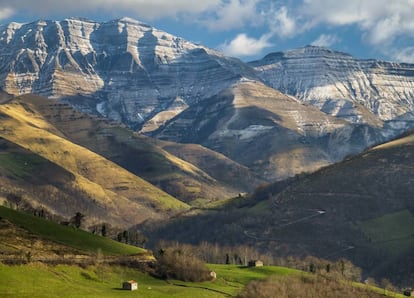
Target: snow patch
249, 132
101, 108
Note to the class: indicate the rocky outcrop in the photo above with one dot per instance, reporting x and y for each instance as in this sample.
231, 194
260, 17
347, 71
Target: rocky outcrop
275, 135
359, 91
123, 69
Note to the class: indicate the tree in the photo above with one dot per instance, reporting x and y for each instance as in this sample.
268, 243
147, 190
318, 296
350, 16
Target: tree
103, 230
77, 220
125, 235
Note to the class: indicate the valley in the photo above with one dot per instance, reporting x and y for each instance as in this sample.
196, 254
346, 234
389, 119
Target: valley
35, 251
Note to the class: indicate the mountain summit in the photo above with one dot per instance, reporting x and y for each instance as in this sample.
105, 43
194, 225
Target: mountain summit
359, 91
123, 69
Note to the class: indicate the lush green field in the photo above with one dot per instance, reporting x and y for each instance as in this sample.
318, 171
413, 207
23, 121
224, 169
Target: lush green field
392, 232
69, 236
19, 165
38, 280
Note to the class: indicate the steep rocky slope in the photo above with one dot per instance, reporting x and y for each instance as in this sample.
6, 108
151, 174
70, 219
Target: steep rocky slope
275, 135
145, 157
127, 70
360, 91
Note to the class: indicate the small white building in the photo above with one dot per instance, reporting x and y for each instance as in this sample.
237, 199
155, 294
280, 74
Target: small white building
130, 285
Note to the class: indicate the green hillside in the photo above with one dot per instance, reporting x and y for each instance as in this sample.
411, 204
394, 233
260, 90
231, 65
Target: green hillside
360, 209
105, 281
20, 232
68, 236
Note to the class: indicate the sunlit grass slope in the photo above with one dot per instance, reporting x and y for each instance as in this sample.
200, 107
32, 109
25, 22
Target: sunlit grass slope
138, 154
122, 196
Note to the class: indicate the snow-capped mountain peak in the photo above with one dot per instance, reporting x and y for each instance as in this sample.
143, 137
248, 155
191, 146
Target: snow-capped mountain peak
131, 70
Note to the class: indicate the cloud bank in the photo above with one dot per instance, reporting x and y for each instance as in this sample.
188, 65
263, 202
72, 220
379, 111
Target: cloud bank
142, 8
380, 23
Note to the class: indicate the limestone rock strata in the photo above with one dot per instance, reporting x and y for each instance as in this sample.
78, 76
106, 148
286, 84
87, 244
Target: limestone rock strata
275, 135
126, 70
359, 91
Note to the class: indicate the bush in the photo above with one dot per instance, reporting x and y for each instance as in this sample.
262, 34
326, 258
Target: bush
175, 264
304, 286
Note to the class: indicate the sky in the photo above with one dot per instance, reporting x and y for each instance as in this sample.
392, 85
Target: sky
250, 29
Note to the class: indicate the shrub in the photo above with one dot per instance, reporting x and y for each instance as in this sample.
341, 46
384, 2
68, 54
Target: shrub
176, 264
304, 286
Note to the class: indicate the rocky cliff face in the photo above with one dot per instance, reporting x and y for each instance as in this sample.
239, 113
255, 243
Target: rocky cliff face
359, 91
123, 69
271, 133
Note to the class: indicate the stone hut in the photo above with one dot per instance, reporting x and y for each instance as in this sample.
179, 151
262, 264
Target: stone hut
255, 263
409, 292
130, 285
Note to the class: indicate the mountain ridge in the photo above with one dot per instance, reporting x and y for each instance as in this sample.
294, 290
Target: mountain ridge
97, 56
339, 84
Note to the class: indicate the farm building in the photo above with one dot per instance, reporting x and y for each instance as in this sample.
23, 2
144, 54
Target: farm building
255, 263
130, 285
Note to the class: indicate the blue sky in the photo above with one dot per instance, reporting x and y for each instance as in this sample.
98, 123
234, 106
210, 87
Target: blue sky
249, 29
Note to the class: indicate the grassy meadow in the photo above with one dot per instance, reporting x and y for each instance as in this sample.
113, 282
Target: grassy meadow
68, 236
104, 281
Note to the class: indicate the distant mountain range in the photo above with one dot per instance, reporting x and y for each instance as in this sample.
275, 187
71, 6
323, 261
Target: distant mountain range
166, 87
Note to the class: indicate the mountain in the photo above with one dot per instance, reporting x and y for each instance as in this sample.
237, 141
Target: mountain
167, 87
188, 181
360, 209
42, 168
275, 135
123, 69
360, 91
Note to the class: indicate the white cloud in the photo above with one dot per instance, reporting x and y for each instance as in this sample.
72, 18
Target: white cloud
404, 55
212, 14
244, 45
6, 12
381, 21
282, 24
325, 40
142, 8
232, 14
